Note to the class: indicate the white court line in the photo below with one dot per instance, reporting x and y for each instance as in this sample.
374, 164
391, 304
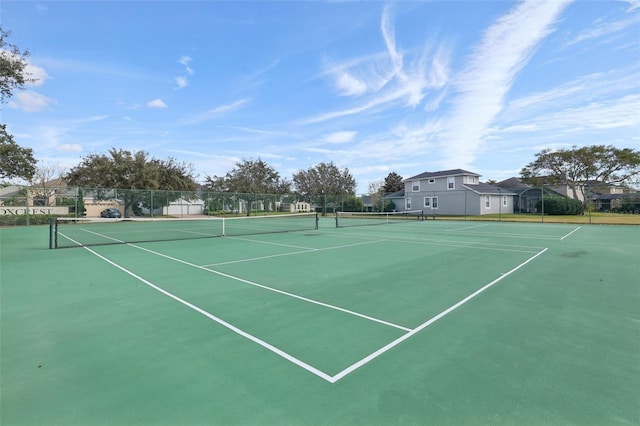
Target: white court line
292, 359
426, 324
220, 321
477, 245
465, 228
292, 254
571, 233
275, 290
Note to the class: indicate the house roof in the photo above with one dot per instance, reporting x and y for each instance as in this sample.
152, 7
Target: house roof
486, 188
512, 183
442, 173
630, 196
397, 194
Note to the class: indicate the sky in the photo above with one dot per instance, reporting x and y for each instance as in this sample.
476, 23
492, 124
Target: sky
375, 87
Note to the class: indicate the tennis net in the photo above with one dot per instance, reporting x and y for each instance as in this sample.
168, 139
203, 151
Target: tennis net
347, 219
79, 232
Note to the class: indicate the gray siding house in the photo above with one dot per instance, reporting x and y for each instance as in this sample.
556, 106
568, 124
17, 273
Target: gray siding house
454, 192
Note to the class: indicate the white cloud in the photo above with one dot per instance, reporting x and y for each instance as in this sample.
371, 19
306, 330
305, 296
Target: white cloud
386, 79
74, 147
156, 103
633, 4
507, 46
37, 73
184, 60
217, 112
30, 101
181, 82
348, 85
604, 28
340, 137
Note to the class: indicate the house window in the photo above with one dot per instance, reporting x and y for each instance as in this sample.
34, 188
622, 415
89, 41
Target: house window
431, 202
415, 186
407, 203
451, 182
504, 200
472, 180
487, 201
432, 181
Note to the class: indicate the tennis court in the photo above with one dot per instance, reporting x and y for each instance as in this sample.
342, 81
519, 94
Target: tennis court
412, 322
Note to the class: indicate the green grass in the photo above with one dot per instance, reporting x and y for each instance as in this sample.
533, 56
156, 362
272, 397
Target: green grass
594, 218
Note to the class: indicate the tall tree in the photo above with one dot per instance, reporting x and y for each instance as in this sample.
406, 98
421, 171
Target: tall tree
393, 183
578, 167
135, 174
15, 161
325, 184
252, 177
324, 179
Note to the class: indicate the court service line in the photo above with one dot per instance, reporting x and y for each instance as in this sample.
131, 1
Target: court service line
275, 290
220, 321
252, 259
479, 245
426, 324
570, 233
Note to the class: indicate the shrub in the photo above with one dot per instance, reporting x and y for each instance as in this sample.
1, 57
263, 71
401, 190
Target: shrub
561, 206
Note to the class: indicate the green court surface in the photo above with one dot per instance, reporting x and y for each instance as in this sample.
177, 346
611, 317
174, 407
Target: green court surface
411, 323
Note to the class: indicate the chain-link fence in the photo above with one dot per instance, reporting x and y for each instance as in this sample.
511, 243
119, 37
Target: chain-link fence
21, 205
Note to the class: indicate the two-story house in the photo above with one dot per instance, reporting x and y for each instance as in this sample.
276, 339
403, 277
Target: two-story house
454, 192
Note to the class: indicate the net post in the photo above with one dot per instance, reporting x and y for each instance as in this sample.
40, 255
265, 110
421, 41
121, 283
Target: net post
55, 233
336, 217
51, 221
317, 220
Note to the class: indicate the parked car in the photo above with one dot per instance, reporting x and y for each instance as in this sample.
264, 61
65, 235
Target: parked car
111, 212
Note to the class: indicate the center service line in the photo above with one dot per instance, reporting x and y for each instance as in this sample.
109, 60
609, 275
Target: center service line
421, 327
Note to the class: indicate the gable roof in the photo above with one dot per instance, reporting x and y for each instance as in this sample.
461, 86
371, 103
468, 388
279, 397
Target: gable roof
512, 183
442, 173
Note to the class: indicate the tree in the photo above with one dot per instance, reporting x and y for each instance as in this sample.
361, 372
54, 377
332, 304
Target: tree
324, 181
393, 183
13, 64
15, 161
580, 167
45, 183
251, 177
135, 174
252, 181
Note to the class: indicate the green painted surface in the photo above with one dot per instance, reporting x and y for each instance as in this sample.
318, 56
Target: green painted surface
555, 342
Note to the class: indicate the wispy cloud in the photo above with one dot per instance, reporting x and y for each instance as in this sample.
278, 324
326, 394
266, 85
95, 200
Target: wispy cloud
339, 137
507, 46
604, 28
30, 101
215, 113
389, 78
182, 80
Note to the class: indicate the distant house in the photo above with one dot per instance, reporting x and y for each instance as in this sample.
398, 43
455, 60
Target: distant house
526, 197
454, 192
291, 205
